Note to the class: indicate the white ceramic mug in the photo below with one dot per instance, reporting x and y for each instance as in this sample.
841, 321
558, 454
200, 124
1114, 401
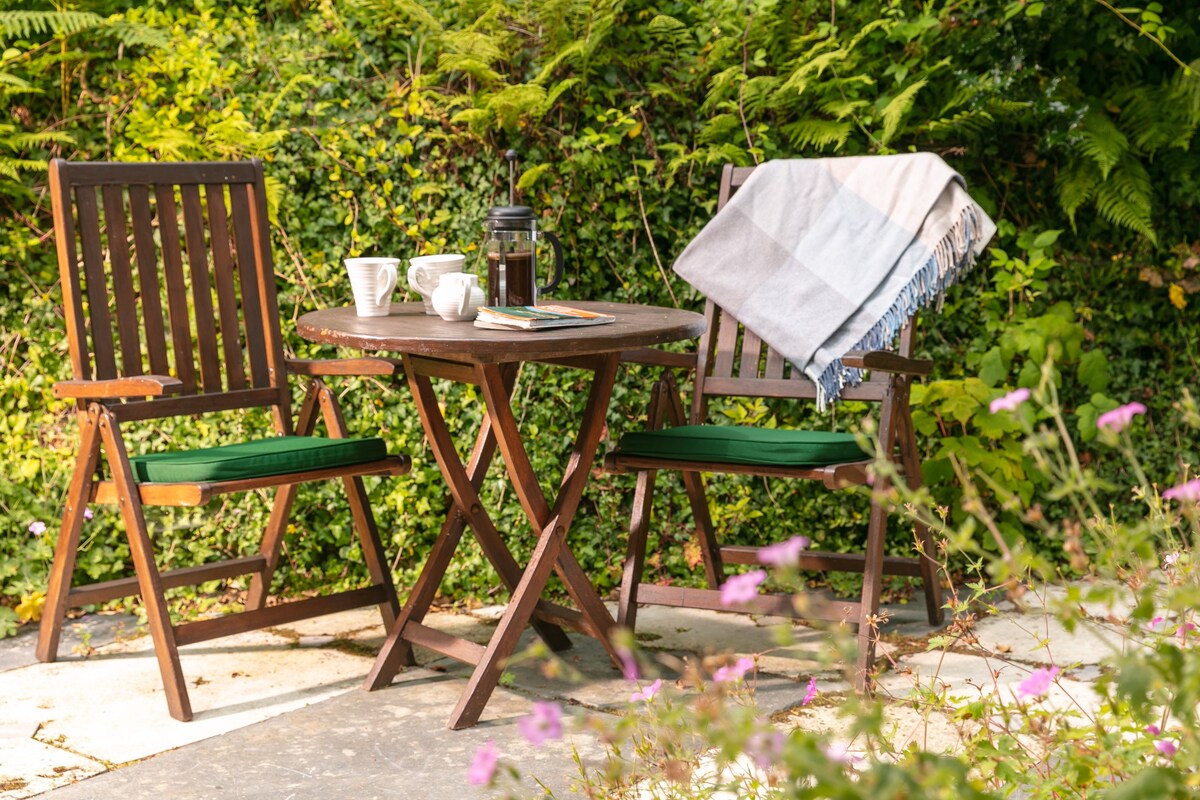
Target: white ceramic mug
373, 281
425, 272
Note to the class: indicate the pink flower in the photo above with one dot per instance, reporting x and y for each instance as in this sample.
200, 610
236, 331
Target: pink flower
1166, 747
1153, 730
87, 513
1038, 682
1154, 623
733, 672
1183, 630
629, 665
483, 766
766, 748
1171, 559
783, 554
1185, 492
741, 588
37, 528
840, 752
544, 723
646, 692
1010, 401
811, 694
1119, 418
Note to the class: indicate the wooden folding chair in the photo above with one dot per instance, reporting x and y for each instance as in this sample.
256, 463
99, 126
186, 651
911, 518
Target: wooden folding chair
733, 362
127, 256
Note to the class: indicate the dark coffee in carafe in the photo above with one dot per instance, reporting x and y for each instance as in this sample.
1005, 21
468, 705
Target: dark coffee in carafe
519, 279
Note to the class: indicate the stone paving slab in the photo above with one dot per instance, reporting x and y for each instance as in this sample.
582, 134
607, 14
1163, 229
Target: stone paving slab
392, 743
111, 706
1038, 638
29, 767
92, 630
960, 679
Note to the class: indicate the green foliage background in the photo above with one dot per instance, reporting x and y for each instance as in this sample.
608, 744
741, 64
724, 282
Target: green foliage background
382, 124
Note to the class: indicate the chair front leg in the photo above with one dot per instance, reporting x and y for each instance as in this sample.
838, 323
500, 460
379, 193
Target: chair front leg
149, 580
66, 550
639, 518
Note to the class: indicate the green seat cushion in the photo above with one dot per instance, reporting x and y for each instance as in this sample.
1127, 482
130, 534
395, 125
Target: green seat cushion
280, 455
729, 444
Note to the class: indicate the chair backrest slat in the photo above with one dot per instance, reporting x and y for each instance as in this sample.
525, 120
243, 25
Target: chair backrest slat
223, 277
177, 301
202, 304
97, 288
122, 280
732, 360
240, 201
197, 255
147, 268
751, 356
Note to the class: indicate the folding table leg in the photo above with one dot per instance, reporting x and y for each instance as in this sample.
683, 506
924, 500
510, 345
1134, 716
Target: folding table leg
575, 477
552, 525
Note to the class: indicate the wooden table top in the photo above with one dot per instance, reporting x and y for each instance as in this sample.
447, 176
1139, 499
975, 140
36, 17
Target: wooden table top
408, 329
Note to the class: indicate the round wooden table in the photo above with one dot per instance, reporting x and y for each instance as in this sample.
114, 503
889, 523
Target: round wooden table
433, 348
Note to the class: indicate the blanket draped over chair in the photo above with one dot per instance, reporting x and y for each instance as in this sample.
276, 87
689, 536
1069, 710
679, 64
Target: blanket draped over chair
836, 254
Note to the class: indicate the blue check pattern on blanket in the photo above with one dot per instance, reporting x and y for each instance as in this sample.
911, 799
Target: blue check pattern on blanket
820, 257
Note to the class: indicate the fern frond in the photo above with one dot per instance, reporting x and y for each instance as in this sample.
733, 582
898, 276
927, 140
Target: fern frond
964, 123
720, 87
818, 133
512, 103
840, 107
1076, 184
666, 30
758, 91
455, 62
719, 127
473, 44
897, 107
569, 52
133, 34
557, 90
1124, 199
1101, 141
23, 24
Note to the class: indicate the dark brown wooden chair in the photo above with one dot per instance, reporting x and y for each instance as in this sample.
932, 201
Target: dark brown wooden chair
733, 362
170, 307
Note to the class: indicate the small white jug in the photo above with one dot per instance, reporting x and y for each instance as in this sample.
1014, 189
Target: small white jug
457, 297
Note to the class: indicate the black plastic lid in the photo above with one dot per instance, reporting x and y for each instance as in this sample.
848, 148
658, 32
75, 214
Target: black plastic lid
511, 214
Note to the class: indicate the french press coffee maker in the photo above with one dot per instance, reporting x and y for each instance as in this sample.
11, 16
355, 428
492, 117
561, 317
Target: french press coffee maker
511, 236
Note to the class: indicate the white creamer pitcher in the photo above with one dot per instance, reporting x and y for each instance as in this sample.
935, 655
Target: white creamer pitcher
457, 297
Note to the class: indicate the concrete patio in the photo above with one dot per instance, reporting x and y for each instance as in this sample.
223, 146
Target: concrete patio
281, 713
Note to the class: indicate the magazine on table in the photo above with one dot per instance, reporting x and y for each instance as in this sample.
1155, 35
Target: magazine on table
537, 317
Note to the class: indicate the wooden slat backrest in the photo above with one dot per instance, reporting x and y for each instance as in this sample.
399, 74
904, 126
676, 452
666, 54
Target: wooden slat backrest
735, 362
188, 240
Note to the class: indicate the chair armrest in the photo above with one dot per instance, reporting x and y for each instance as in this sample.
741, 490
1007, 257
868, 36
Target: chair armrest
883, 361
370, 365
131, 386
658, 358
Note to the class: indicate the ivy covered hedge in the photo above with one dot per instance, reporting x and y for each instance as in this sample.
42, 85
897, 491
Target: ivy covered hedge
382, 123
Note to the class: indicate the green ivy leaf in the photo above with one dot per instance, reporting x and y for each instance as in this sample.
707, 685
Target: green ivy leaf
1093, 371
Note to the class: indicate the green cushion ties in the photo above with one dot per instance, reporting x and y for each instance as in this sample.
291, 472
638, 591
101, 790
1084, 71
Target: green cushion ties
280, 455
740, 445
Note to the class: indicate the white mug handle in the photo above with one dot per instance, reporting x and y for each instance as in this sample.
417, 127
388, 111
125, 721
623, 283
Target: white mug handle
389, 282
414, 279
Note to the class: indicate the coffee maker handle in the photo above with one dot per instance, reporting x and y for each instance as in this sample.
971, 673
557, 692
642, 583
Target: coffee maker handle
558, 261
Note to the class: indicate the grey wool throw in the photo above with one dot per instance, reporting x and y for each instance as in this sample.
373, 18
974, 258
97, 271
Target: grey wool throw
823, 256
